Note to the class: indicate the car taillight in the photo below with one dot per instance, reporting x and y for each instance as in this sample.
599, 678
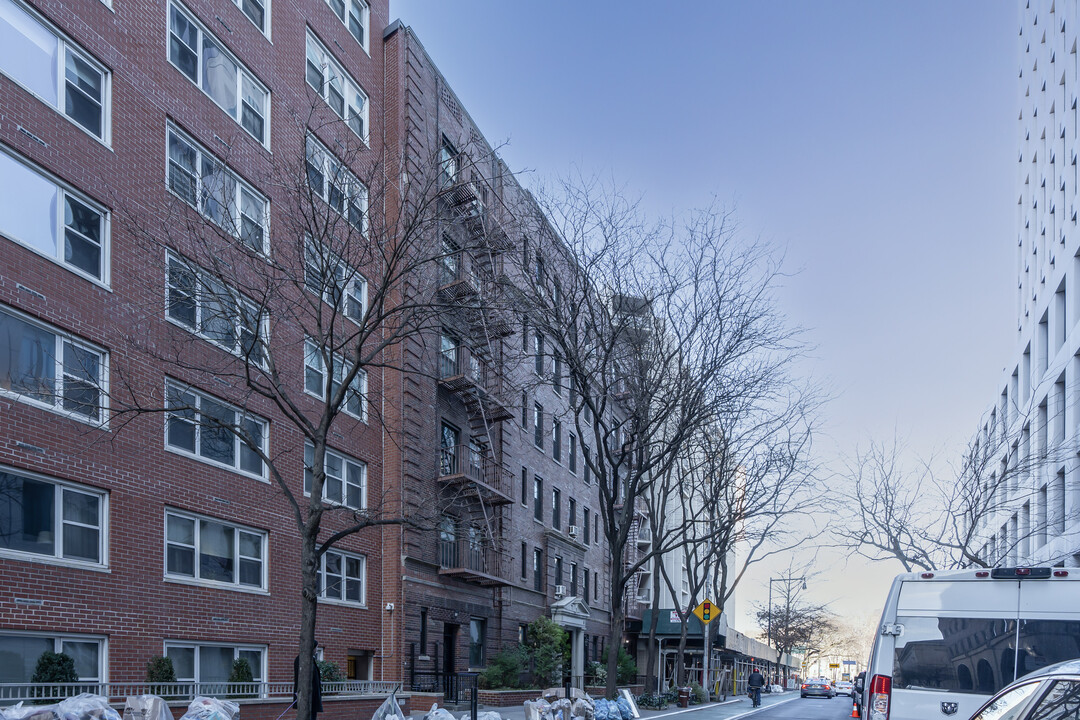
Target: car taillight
805, 686
880, 693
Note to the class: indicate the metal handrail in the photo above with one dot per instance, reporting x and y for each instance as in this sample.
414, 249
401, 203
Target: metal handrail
16, 692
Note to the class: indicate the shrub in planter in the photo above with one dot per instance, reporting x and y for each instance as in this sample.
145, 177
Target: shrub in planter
697, 694
626, 667
54, 667
160, 669
549, 647
241, 673
330, 672
504, 670
595, 673
652, 701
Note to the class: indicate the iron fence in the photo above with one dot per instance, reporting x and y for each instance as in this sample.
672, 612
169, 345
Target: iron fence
119, 691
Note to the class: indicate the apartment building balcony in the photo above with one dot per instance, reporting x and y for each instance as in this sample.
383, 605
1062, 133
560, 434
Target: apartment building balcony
473, 560
463, 372
475, 472
492, 322
463, 197
458, 276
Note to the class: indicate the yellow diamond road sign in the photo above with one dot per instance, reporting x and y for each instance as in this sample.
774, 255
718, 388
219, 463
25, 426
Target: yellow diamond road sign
706, 612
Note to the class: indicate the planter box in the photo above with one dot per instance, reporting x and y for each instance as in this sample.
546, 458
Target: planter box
507, 698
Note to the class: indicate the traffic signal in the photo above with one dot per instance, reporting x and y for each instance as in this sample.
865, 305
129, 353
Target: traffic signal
706, 611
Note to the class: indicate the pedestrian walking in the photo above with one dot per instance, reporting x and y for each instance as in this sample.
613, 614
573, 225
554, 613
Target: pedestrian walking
316, 682
755, 682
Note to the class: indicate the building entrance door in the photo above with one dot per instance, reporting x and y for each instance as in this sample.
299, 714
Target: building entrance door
450, 633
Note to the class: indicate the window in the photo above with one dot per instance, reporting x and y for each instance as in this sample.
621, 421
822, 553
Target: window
572, 515
558, 570
213, 551
332, 182
448, 163
573, 578
449, 262
345, 481
556, 508
48, 218
585, 595
43, 367
524, 485
596, 528
538, 351
205, 663
205, 61
595, 586
206, 307
210, 430
523, 633
342, 576
327, 77
204, 183
39, 58
538, 498
538, 570
1061, 702
538, 425
586, 471
255, 11
585, 517
571, 456
524, 560
331, 278
477, 628
556, 440
46, 518
20, 653
355, 401
354, 14
423, 631
556, 379
1009, 705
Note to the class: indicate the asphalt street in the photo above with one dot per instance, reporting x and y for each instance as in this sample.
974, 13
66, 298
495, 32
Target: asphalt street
804, 709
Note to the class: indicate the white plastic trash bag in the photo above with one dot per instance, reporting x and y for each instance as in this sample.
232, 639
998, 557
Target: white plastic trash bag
438, 713
86, 707
29, 712
147, 707
207, 708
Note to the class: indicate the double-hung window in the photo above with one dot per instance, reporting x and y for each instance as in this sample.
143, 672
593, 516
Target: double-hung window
315, 380
212, 663
211, 310
38, 57
345, 478
338, 187
21, 650
571, 455
538, 425
327, 77
45, 367
354, 14
49, 218
41, 517
342, 577
556, 440
331, 278
203, 59
211, 550
210, 430
256, 13
204, 183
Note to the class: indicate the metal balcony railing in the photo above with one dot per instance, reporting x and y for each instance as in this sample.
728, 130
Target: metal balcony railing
11, 693
472, 560
476, 466
463, 371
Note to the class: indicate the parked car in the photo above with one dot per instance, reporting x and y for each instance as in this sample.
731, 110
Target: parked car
843, 687
1051, 693
949, 641
818, 688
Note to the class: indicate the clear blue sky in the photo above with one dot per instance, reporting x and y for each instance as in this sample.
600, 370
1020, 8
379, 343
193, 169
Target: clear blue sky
872, 142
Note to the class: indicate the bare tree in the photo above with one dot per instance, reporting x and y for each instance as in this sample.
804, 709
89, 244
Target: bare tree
912, 513
310, 311
658, 325
792, 622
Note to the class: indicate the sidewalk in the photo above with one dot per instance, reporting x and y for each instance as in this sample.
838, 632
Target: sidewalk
734, 706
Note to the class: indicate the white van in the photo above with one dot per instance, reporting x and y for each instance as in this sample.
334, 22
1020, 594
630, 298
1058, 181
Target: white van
949, 640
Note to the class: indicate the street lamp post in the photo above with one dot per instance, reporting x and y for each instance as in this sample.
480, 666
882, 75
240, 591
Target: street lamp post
768, 632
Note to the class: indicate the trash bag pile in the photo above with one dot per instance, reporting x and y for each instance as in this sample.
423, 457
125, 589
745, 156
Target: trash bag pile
147, 707
438, 713
80, 707
208, 708
618, 709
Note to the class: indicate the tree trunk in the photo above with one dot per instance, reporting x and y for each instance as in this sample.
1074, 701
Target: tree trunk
680, 663
615, 629
650, 650
309, 562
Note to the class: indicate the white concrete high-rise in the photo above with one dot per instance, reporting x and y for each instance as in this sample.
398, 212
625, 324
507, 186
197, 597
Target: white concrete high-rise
1033, 429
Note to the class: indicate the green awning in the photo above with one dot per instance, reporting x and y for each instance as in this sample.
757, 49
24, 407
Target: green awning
666, 628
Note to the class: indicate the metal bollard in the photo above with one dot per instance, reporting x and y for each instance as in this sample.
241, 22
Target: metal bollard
566, 687
473, 705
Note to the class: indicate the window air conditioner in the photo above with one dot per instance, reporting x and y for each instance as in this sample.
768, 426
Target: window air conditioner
573, 531
560, 591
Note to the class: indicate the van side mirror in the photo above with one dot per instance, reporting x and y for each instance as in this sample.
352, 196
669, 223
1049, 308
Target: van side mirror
858, 684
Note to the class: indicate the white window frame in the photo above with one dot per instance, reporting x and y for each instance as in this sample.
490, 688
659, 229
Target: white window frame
59, 224
58, 558
203, 193
259, 672
57, 406
345, 556
345, 9
242, 72
176, 386
355, 290
196, 518
333, 76
265, 29
354, 194
316, 364
345, 462
203, 287
64, 48
59, 638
